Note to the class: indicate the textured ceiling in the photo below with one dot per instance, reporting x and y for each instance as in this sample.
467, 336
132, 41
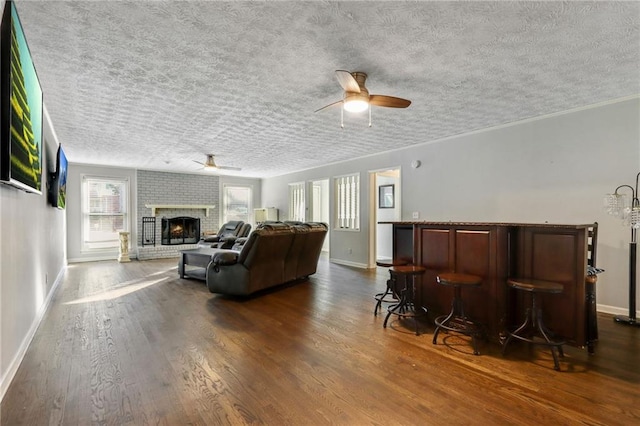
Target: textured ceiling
157, 84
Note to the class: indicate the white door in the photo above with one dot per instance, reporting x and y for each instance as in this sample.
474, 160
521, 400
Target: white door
319, 206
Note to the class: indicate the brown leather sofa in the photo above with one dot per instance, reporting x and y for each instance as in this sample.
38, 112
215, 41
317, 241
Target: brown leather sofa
274, 254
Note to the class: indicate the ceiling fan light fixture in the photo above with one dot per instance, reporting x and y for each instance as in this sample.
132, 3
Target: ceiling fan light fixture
356, 106
210, 163
356, 102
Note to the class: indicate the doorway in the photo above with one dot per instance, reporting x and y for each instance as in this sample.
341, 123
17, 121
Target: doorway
385, 206
319, 206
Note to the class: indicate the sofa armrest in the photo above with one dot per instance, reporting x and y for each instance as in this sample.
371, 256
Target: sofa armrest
227, 242
211, 239
225, 258
239, 243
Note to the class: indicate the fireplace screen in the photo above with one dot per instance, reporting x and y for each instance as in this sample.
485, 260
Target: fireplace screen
180, 230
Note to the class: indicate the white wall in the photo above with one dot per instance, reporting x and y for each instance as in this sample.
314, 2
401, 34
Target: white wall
552, 169
33, 260
74, 209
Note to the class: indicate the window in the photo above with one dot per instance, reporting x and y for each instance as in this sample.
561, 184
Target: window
347, 191
105, 204
296, 202
236, 203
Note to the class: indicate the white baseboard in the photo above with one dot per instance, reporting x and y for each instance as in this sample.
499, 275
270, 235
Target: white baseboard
17, 359
99, 258
348, 263
614, 310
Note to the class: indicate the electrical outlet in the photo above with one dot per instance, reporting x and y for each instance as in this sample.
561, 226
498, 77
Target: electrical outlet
349, 250
416, 215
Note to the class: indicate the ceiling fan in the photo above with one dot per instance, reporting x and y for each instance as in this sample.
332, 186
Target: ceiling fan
210, 164
356, 97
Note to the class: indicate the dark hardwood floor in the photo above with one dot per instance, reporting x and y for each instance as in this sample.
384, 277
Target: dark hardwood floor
132, 344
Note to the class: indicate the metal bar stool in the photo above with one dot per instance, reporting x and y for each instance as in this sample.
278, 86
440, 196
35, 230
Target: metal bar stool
457, 321
389, 295
406, 307
533, 327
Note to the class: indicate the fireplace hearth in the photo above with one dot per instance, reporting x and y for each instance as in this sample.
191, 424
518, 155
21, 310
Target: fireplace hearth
180, 230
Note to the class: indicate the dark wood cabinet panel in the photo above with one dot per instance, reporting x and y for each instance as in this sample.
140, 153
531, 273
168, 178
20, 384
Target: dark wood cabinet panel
473, 256
434, 252
558, 255
435, 249
473, 252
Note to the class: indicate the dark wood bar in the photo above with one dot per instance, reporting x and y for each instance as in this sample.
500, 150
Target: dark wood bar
495, 252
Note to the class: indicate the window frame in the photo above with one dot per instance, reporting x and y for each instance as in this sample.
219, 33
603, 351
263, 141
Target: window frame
341, 205
298, 201
109, 245
224, 203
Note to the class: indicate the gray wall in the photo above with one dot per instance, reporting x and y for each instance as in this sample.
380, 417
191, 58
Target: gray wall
552, 169
33, 256
177, 189
74, 209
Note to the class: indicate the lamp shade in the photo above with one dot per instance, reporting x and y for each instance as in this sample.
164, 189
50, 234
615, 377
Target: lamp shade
616, 204
634, 218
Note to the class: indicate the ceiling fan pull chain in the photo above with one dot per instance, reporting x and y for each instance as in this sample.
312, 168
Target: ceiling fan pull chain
342, 117
369, 115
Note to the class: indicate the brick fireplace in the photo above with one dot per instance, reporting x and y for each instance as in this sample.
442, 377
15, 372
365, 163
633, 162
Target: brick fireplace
173, 195
176, 228
180, 230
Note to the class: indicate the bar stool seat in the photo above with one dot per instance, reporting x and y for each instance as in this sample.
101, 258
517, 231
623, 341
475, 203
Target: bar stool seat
389, 295
533, 330
457, 321
406, 307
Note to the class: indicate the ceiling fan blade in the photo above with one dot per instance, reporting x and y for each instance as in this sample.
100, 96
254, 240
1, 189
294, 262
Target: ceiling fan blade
388, 101
346, 80
327, 106
228, 168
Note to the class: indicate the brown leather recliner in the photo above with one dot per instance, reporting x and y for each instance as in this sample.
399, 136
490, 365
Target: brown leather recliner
230, 241
274, 254
229, 229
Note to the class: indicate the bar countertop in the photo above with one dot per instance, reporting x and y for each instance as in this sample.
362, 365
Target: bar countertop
505, 224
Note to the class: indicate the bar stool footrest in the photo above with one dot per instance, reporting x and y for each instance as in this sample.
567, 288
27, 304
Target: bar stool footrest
533, 341
458, 325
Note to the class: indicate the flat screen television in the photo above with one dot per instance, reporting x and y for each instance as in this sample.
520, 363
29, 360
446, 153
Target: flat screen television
58, 181
20, 108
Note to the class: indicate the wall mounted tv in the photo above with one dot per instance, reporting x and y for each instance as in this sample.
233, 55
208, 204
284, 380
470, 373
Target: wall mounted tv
20, 108
58, 181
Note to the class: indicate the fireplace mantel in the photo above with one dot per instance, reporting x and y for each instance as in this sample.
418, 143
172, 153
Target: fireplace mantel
155, 207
